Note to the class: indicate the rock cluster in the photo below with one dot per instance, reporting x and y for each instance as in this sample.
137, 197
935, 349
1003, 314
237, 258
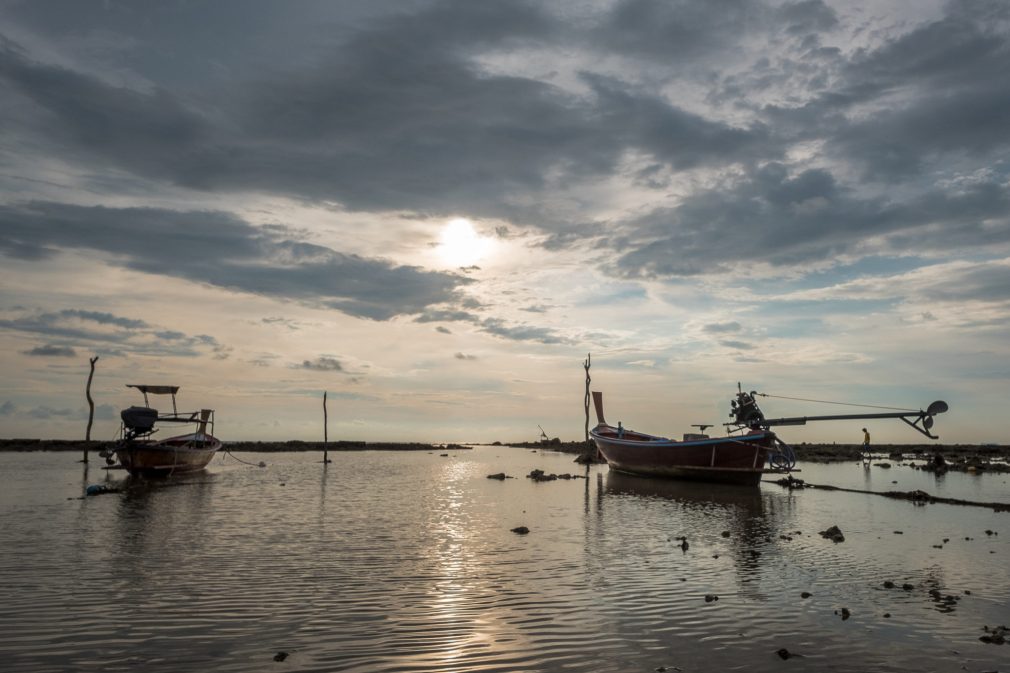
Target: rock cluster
540, 475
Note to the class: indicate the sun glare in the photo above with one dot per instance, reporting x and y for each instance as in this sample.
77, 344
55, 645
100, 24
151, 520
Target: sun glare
460, 245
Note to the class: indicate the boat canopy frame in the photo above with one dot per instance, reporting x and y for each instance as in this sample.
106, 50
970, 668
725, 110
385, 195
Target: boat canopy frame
205, 417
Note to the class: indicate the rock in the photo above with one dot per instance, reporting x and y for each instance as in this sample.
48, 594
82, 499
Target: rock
845, 614
888, 584
521, 530
281, 656
887, 615
711, 597
806, 594
988, 532
500, 476
834, 534
996, 636
899, 532
540, 475
883, 465
725, 533
443, 455
262, 464
907, 587
785, 654
684, 545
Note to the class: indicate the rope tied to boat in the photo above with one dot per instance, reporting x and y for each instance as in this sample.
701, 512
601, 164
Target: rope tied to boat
844, 404
244, 462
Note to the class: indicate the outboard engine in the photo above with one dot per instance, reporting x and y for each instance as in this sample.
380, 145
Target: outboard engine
745, 411
138, 421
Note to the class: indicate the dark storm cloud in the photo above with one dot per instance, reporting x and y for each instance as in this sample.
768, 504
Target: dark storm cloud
786, 220
937, 92
51, 350
397, 115
220, 249
390, 107
688, 30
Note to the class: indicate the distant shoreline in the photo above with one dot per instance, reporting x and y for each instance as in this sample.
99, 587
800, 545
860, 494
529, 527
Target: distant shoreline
814, 453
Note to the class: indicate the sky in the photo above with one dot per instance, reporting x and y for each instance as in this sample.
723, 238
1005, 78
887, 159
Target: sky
434, 210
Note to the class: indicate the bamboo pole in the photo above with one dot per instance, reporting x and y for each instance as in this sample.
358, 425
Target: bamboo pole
326, 432
91, 407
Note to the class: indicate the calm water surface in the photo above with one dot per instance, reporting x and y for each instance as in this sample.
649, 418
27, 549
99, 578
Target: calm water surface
405, 562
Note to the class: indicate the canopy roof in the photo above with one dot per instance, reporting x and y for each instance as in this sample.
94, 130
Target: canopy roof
154, 390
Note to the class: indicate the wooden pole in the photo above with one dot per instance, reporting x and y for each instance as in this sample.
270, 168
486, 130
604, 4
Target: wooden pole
586, 365
91, 407
326, 432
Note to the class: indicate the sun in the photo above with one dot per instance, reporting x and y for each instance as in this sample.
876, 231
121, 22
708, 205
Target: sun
460, 245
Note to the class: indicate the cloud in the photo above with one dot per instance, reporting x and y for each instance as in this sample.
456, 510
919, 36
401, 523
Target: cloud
739, 345
8, 408
51, 350
105, 333
794, 221
45, 413
420, 127
223, 250
285, 322
322, 364
442, 329
722, 327
464, 356
544, 335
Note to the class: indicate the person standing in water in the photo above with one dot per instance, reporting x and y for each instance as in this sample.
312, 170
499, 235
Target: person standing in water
866, 444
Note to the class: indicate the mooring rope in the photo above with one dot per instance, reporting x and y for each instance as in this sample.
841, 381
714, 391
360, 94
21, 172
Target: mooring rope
918, 497
228, 452
844, 404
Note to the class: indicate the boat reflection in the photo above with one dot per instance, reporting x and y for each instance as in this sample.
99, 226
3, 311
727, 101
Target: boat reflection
166, 518
741, 522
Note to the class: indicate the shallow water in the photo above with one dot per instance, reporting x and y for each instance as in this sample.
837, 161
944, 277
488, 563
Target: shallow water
404, 561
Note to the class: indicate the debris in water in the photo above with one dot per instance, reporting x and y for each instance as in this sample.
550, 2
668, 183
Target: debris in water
281, 656
521, 530
99, 489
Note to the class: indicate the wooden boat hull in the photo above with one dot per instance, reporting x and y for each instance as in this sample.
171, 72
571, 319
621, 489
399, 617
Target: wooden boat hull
737, 460
186, 453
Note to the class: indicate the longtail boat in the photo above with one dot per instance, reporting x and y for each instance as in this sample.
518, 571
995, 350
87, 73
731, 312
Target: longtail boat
750, 450
141, 454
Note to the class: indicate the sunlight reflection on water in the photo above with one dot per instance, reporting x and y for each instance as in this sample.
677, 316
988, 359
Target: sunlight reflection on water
407, 562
